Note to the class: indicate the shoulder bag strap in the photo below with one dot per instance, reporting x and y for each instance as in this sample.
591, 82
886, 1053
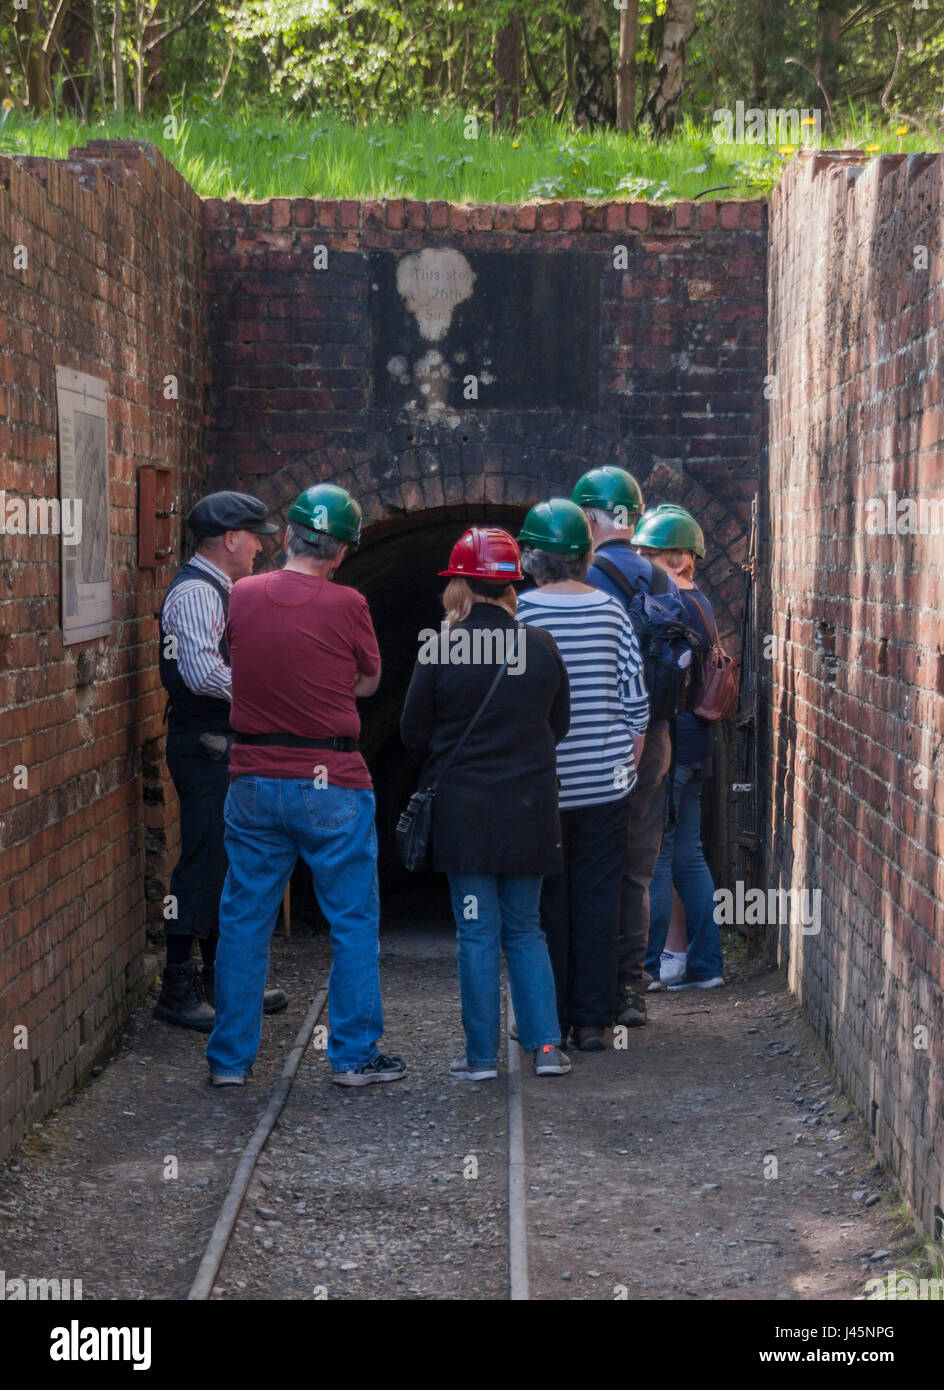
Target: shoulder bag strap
660, 580
457, 747
616, 574
704, 618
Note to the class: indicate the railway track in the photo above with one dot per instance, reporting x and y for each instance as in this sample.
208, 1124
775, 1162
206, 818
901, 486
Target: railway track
234, 1220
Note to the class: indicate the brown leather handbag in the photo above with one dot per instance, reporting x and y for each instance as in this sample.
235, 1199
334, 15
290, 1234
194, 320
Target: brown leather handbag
717, 695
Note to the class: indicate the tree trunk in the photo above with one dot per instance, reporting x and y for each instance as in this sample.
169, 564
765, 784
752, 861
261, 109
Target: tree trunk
38, 74
508, 72
593, 68
117, 70
826, 68
139, 23
76, 42
668, 82
759, 55
99, 60
626, 69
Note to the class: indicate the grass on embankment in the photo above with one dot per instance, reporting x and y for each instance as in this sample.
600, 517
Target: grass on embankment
252, 155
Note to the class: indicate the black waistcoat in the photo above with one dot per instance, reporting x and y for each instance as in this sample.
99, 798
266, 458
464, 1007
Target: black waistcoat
190, 713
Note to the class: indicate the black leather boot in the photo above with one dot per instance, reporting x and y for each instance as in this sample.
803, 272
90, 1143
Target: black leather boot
273, 1000
180, 1003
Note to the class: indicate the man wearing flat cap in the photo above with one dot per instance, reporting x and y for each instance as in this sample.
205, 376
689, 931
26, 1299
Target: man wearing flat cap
195, 672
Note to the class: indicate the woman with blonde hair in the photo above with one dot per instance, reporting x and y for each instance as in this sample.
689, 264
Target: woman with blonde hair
495, 823
670, 536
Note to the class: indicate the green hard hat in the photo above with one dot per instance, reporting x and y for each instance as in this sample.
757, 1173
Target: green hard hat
327, 510
669, 527
608, 488
557, 526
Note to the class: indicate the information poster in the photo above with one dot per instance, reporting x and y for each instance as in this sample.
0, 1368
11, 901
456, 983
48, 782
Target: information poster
83, 476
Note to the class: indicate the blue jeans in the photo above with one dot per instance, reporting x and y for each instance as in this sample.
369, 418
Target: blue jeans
269, 822
495, 913
682, 862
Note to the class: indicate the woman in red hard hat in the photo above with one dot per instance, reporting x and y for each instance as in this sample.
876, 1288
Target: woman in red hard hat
495, 825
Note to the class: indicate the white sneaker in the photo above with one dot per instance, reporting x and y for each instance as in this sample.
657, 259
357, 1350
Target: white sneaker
715, 982
671, 966
461, 1068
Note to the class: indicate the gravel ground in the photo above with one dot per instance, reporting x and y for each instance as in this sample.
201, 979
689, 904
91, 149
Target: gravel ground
395, 1191
712, 1158
646, 1164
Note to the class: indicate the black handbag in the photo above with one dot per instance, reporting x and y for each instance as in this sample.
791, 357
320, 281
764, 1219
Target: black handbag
414, 828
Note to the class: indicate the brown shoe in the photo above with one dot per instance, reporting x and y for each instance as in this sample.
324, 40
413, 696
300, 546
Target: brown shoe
632, 1012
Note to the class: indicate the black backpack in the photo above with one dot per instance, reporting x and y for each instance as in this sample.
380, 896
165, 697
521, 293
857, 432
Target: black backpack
671, 650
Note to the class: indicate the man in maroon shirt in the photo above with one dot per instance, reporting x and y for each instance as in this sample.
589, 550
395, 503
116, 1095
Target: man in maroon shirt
302, 651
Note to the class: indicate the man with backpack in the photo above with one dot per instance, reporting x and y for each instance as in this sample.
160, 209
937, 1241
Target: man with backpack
613, 503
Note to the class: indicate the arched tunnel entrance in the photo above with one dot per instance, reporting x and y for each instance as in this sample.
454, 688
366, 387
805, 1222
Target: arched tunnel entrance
397, 570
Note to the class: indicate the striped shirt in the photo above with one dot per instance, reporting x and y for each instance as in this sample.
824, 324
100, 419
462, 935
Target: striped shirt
194, 614
608, 698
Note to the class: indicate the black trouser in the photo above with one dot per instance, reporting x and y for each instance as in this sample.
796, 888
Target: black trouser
647, 810
579, 910
198, 878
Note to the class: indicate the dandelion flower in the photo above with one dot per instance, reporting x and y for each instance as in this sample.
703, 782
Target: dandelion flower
871, 149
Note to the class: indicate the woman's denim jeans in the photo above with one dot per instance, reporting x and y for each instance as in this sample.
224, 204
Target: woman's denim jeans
682, 862
269, 822
495, 913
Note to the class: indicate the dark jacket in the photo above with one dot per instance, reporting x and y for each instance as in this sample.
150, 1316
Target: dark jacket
189, 713
693, 739
496, 810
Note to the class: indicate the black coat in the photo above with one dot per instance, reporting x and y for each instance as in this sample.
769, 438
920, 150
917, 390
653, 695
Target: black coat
496, 810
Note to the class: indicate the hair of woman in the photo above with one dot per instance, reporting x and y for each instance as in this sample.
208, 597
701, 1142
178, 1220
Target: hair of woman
460, 594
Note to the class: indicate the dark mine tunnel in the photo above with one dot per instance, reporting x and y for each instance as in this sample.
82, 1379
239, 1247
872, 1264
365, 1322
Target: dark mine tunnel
397, 570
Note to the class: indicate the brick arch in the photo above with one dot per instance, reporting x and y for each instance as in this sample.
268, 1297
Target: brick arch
423, 483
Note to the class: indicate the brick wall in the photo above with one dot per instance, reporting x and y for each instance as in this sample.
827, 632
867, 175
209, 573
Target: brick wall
854, 686
681, 361
113, 289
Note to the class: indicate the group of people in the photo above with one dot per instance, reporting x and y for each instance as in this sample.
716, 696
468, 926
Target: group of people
553, 817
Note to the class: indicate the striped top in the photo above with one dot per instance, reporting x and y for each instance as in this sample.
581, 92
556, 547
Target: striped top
608, 697
194, 614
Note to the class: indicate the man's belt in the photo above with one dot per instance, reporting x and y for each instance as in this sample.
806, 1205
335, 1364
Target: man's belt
338, 745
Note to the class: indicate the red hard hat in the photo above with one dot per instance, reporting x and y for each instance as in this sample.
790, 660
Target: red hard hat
485, 552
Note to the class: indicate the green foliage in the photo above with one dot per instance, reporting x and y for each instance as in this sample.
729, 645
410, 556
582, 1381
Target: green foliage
253, 154
366, 60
